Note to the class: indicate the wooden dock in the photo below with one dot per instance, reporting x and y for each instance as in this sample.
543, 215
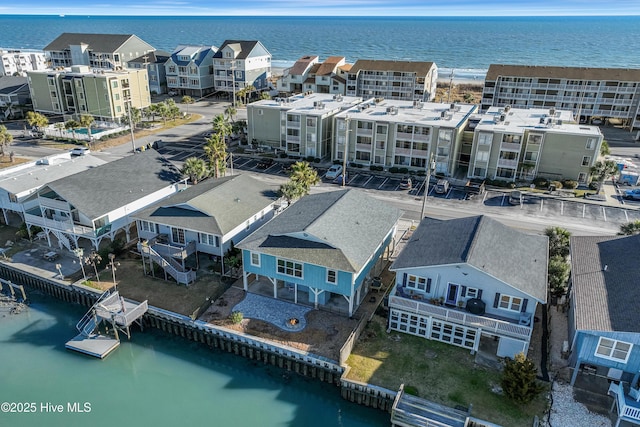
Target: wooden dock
93, 345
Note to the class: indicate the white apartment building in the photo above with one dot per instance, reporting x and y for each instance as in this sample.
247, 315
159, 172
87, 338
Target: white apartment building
593, 95
16, 62
396, 133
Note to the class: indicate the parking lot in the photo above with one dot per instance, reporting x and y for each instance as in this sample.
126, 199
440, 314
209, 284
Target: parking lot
493, 200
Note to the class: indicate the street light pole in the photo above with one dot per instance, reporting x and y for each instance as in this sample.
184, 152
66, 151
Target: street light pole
233, 82
347, 122
430, 166
133, 142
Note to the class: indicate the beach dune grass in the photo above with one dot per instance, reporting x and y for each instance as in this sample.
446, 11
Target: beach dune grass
438, 372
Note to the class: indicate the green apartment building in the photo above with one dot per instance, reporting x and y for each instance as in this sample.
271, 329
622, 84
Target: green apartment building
511, 143
79, 90
300, 125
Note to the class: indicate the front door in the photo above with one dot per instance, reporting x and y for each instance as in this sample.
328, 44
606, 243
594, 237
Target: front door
452, 294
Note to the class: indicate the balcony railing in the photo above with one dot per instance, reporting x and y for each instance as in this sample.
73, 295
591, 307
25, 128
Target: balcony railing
506, 163
498, 327
67, 227
628, 409
510, 146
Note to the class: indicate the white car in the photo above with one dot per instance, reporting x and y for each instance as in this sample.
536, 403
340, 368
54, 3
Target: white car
80, 151
333, 172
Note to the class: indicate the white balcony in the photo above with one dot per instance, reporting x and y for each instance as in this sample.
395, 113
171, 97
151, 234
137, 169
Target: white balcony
64, 226
506, 163
488, 324
61, 205
510, 146
628, 407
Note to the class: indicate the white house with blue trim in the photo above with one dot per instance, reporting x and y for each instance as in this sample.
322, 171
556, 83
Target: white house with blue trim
604, 318
323, 246
463, 279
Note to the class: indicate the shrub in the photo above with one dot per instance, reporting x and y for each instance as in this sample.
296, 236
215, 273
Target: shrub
337, 162
236, 317
541, 182
309, 159
422, 173
570, 184
556, 184
393, 169
283, 155
594, 185
403, 170
519, 379
316, 160
358, 165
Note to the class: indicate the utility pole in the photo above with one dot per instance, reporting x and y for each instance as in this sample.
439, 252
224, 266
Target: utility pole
133, 141
430, 166
347, 122
233, 82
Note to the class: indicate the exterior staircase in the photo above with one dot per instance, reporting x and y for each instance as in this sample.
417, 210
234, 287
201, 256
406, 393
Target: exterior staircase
64, 240
172, 267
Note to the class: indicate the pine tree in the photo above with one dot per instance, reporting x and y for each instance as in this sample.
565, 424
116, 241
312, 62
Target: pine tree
519, 379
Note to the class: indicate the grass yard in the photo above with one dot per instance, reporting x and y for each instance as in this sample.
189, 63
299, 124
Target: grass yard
435, 371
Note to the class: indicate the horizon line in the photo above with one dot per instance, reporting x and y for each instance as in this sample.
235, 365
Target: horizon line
63, 15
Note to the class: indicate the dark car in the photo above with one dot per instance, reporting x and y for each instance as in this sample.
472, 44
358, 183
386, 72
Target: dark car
265, 163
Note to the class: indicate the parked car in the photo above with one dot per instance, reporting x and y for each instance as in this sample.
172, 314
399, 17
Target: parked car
442, 186
333, 172
79, 151
515, 197
632, 194
405, 183
265, 163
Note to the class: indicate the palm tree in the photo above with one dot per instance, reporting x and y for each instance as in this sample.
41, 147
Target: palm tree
305, 175
73, 125
604, 148
558, 241
291, 190
221, 126
241, 93
187, 100
60, 127
231, 112
195, 168
216, 152
173, 111
247, 92
265, 95
5, 139
603, 170
36, 119
162, 110
86, 121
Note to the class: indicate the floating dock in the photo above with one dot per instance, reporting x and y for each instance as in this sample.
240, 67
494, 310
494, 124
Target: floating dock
112, 309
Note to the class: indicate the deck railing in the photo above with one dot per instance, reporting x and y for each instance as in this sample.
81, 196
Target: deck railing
499, 327
626, 408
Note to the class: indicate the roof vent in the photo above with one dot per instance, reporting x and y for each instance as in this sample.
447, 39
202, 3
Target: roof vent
605, 268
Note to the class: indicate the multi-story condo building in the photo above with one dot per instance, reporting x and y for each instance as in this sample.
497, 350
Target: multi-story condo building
189, 70
16, 62
592, 94
402, 80
78, 90
154, 63
301, 125
514, 143
392, 133
110, 51
241, 63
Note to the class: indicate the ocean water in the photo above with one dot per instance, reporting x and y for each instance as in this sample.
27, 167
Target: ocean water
467, 44
152, 380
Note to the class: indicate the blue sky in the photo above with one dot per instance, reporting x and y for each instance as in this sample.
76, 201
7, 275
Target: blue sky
324, 7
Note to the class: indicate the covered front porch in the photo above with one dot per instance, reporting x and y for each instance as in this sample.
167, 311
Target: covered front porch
300, 294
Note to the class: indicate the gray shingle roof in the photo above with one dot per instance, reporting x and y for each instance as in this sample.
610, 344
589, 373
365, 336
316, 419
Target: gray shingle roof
606, 300
214, 206
100, 190
11, 84
157, 57
511, 256
197, 54
96, 42
244, 46
338, 229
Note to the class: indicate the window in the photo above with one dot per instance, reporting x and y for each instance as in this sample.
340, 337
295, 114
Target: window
255, 259
332, 276
586, 160
147, 226
209, 239
289, 268
614, 350
510, 303
472, 293
419, 283
591, 144
482, 156
177, 235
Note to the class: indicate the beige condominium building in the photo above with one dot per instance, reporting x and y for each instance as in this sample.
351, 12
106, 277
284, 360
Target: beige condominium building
79, 90
593, 95
300, 125
514, 143
401, 80
392, 133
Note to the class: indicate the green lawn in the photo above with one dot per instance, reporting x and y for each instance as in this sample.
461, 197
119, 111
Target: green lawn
435, 371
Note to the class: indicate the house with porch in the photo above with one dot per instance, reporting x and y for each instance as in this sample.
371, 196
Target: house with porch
99, 202
604, 321
241, 63
463, 280
189, 70
321, 250
205, 218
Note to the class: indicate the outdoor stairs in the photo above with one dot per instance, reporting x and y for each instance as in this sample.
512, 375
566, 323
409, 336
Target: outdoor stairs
168, 264
110, 308
64, 240
411, 411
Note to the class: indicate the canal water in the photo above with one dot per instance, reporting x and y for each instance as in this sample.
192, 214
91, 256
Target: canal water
153, 379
